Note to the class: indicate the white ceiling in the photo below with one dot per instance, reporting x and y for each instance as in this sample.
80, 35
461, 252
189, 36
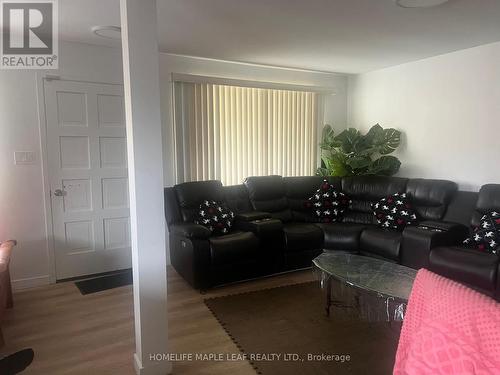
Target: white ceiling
349, 36
76, 18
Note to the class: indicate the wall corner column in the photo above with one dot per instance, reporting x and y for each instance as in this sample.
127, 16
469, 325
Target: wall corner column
145, 164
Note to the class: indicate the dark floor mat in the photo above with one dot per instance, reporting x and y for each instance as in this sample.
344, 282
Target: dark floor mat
101, 283
291, 320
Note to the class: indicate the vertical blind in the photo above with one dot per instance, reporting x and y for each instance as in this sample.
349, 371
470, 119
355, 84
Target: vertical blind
231, 132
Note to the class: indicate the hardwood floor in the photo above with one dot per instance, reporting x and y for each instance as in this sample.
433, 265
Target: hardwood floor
93, 334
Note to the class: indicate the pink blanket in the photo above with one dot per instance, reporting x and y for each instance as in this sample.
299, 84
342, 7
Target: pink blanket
448, 329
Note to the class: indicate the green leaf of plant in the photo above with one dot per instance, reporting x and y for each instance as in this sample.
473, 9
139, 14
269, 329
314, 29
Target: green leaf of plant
385, 166
338, 169
335, 165
328, 139
348, 139
359, 162
366, 145
322, 172
327, 132
350, 153
374, 133
387, 141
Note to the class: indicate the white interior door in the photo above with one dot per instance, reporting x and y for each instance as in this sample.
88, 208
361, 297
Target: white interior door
87, 161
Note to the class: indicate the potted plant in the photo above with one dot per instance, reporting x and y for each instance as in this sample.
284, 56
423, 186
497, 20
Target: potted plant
351, 153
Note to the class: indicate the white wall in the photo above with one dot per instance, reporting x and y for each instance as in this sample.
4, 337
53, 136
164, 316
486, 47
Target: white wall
335, 106
448, 108
21, 189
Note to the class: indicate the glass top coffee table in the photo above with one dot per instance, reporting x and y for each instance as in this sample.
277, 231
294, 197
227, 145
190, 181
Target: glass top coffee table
379, 289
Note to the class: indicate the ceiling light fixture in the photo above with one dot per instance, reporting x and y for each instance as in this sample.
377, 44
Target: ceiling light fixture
109, 32
419, 3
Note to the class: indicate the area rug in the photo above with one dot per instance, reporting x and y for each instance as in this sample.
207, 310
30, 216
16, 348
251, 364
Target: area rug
285, 330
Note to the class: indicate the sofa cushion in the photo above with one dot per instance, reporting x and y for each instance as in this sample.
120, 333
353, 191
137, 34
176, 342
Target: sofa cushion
486, 236
236, 247
267, 194
341, 236
468, 266
430, 198
327, 203
364, 190
216, 216
381, 242
394, 212
191, 194
302, 236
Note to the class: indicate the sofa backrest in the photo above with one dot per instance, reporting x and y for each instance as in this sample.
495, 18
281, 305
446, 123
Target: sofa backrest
236, 197
430, 198
284, 197
364, 190
298, 190
267, 193
172, 209
461, 208
488, 200
191, 194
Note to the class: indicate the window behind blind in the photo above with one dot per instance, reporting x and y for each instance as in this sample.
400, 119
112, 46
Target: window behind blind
231, 132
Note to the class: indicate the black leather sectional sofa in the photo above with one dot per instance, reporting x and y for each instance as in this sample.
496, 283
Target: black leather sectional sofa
275, 232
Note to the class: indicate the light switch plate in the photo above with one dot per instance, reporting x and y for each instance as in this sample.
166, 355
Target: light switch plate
24, 157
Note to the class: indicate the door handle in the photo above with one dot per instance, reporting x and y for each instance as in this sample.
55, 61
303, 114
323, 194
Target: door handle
59, 193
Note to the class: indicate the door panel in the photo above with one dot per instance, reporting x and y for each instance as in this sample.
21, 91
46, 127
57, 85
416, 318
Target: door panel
79, 237
113, 152
87, 159
74, 152
116, 232
78, 195
111, 111
72, 108
115, 192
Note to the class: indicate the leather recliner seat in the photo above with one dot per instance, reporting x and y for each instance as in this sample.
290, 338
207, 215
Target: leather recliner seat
336, 236
201, 258
472, 267
363, 191
303, 240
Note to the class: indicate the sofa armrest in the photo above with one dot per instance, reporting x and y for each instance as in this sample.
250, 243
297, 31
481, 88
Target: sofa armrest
190, 230
262, 227
253, 215
471, 267
418, 241
497, 294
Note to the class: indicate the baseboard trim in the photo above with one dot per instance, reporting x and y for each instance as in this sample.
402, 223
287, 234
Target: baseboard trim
154, 368
30, 282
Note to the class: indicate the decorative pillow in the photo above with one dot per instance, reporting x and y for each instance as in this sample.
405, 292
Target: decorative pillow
394, 212
327, 204
215, 216
486, 236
